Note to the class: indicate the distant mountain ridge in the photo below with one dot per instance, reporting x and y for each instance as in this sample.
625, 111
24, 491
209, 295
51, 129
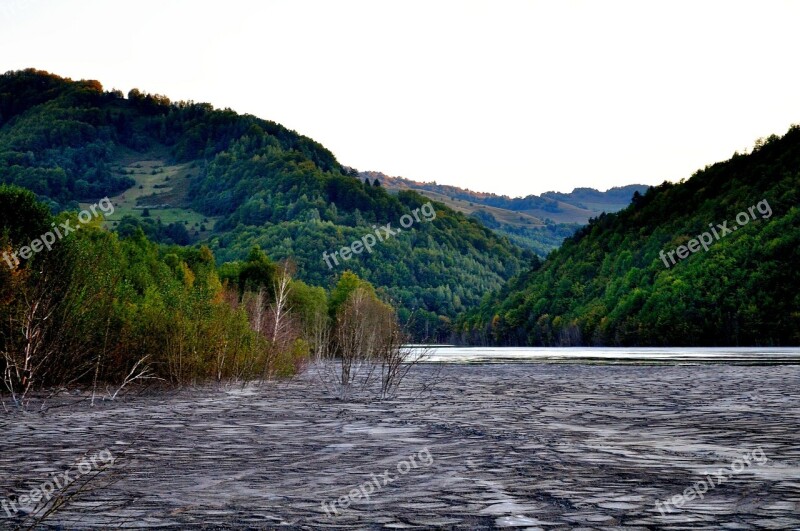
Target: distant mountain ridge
538, 223
590, 201
612, 200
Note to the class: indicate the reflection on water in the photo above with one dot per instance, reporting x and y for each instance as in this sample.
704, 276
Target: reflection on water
604, 355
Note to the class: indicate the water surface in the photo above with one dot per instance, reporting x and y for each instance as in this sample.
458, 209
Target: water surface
605, 355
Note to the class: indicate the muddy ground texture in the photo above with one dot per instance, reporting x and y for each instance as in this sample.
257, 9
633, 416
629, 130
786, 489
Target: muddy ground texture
528, 446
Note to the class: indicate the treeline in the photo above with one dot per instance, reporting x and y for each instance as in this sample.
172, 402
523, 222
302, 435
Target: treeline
607, 284
104, 311
268, 186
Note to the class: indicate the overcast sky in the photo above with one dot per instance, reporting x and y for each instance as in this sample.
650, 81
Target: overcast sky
513, 97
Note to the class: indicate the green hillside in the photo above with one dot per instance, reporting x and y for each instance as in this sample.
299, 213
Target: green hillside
187, 173
614, 282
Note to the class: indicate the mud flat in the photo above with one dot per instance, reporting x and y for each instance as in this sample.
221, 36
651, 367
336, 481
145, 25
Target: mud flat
528, 446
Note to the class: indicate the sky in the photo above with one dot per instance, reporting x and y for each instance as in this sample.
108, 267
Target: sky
505, 96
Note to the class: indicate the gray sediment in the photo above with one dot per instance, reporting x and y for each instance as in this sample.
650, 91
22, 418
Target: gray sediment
528, 446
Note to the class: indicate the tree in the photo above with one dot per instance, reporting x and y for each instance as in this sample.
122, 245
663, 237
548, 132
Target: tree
258, 271
283, 329
348, 283
22, 216
358, 338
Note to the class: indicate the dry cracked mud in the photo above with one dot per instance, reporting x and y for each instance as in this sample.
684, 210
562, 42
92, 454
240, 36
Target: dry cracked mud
517, 446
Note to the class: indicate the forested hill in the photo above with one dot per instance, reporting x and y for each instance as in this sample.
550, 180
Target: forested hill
614, 282
187, 173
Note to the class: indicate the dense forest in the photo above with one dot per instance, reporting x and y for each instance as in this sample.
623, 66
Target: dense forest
609, 284
98, 310
263, 185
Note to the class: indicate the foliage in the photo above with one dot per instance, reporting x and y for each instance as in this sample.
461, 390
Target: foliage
97, 307
608, 286
100, 309
171, 234
270, 187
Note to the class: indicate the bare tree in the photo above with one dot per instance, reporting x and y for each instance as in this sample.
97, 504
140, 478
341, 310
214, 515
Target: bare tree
141, 371
256, 308
27, 353
357, 340
282, 330
46, 330
257, 311
280, 307
277, 328
319, 331
397, 358
367, 342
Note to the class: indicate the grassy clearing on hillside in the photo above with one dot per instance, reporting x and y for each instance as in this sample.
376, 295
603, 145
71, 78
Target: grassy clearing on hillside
567, 213
161, 189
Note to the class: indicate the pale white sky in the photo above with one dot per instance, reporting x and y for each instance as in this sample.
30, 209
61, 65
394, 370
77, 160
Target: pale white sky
512, 97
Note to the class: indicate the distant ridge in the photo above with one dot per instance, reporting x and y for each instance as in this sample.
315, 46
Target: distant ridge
538, 223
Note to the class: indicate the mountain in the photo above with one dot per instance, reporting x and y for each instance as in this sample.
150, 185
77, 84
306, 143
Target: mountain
537, 223
612, 200
708, 261
187, 173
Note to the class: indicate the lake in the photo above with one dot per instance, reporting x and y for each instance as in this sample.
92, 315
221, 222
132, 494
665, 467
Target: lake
605, 355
